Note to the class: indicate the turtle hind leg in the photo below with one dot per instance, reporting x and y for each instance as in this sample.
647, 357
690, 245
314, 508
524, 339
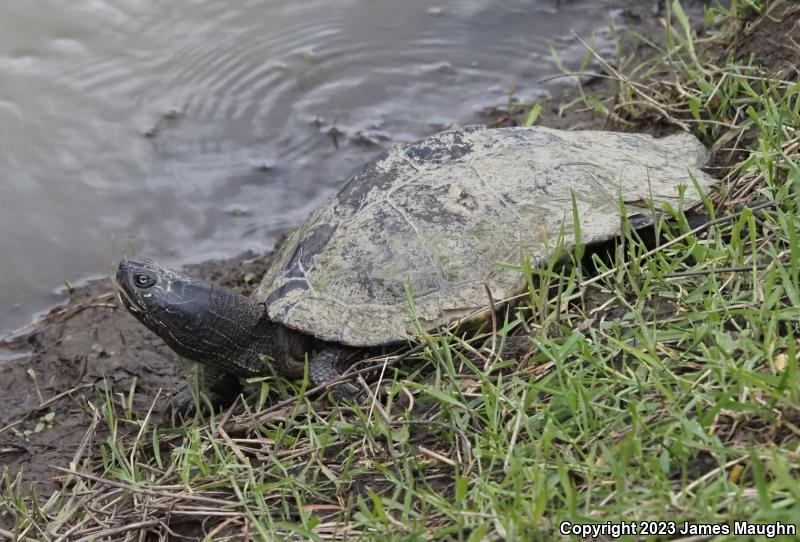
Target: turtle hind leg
322, 370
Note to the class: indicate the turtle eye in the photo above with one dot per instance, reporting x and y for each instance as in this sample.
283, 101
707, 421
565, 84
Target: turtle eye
143, 281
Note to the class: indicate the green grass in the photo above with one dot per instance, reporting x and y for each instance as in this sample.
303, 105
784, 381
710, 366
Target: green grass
660, 389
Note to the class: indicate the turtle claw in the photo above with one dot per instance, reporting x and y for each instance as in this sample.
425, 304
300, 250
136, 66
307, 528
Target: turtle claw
183, 407
344, 392
185, 404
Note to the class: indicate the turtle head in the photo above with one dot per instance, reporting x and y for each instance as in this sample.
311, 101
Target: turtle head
200, 321
170, 303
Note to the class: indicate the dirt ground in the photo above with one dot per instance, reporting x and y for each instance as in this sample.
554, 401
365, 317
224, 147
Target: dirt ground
92, 344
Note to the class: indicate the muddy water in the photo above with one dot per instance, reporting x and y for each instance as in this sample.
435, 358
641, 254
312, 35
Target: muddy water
190, 129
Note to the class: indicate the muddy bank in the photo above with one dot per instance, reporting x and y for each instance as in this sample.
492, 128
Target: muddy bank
92, 345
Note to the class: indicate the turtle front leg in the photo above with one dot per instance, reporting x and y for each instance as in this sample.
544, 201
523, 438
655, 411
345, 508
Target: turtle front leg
220, 387
323, 369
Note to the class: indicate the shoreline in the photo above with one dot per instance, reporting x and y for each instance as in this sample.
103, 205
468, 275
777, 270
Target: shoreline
631, 12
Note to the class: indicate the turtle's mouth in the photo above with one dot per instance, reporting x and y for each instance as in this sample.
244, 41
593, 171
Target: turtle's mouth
126, 301
119, 281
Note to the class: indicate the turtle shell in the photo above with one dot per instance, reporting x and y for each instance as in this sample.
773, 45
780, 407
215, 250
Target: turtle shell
436, 220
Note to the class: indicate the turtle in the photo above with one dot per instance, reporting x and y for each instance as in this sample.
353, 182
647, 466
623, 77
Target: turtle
427, 225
